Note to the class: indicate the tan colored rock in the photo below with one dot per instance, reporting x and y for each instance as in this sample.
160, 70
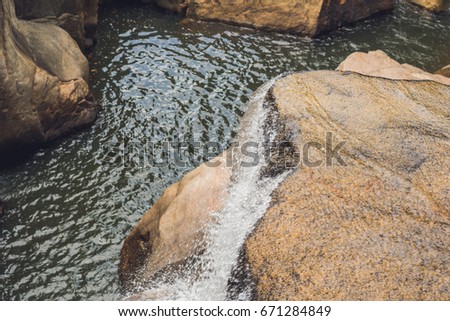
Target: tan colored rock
306, 17
376, 229
77, 17
173, 229
43, 88
444, 71
378, 64
433, 5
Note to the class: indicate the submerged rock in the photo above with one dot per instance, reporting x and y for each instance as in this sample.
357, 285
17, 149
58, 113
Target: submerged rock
299, 17
374, 227
173, 229
43, 84
78, 17
433, 5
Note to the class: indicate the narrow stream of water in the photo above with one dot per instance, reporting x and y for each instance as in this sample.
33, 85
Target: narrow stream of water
249, 198
160, 80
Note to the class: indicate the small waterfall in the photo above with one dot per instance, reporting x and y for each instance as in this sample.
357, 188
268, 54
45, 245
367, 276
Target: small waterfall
206, 277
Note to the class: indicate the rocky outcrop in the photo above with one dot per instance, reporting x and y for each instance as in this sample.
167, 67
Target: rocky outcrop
305, 17
43, 84
433, 5
375, 226
363, 217
378, 64
444, 71
78, 18
299, 17
172, 230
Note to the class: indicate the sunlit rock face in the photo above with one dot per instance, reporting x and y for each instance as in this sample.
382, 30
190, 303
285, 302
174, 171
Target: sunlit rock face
307, 17
43, 84
375, 226
77, 17
434, 5
173, 230
378, 64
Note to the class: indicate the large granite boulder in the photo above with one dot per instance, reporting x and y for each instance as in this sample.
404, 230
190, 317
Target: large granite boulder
172, 231
43, 84
433, 5
366, 217
378, 64
306, 17
77, 17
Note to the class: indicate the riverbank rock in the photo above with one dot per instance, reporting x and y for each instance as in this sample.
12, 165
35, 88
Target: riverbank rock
79, 18
172, 231
43, 84
365, 216
309, 18
299, 17
444, 71
433, 5
378, 64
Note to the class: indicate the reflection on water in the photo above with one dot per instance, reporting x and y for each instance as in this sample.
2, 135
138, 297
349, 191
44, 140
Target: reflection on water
159, 80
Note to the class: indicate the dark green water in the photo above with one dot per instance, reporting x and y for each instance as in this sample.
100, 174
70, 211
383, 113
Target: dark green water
159, 80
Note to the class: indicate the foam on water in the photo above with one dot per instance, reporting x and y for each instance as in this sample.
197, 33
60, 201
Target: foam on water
249, 198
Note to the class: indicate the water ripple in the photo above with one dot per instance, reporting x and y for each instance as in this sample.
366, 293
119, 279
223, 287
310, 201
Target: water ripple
159, 80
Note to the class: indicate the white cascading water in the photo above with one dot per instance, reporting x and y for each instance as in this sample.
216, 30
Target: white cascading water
249, 197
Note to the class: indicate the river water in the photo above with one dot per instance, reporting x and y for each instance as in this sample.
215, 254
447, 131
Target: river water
70, 206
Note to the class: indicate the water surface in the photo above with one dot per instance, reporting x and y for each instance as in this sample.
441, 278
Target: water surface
159, 80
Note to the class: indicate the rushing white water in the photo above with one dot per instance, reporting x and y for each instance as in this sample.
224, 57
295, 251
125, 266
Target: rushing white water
249, 198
